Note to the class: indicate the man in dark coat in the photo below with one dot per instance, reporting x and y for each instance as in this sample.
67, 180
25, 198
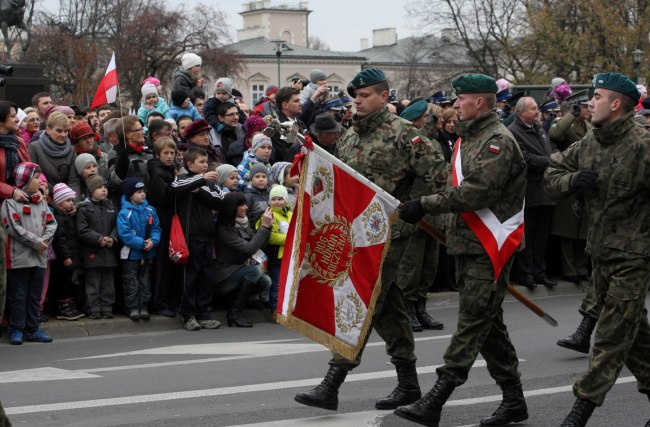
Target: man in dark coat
536, 148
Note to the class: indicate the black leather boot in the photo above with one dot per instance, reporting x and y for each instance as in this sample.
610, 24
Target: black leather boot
426, 411
579, 414
415, 324
407, 390
326, 394
424, 318
512, 408
581, 339
235, 315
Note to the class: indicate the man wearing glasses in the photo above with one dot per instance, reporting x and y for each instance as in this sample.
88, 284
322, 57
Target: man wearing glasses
229, 135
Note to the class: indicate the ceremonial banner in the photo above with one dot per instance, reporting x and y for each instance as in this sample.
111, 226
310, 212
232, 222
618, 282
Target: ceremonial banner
335, 247
500, 240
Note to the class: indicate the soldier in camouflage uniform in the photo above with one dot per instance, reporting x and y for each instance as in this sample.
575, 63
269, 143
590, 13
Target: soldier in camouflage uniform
610, 169
572, 230
419, 264
494, 173
390, 152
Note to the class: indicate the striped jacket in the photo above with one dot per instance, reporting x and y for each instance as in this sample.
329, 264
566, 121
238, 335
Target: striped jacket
27, 224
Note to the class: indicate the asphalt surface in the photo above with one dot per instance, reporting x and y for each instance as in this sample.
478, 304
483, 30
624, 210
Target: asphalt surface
234, 376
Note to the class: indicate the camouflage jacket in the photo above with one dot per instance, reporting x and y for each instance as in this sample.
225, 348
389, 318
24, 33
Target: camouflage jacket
392, 153
566, 130
619, 208
494, 173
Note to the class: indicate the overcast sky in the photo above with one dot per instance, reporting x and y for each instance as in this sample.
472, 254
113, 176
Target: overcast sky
339, 23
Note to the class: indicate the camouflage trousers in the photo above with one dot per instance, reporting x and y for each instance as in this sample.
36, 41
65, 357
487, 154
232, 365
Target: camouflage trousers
390, 319
3, 271
623, 332
590, 305
4, 421
480, 324
418, 267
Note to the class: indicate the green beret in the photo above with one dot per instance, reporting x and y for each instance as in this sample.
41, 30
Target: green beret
365, 78
474, 83
618, 83
414, 110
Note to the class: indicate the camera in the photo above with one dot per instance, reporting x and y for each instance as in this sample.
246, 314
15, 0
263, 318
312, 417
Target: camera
5, 70
392, 96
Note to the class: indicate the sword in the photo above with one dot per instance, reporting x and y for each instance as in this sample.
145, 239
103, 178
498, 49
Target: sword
438, 235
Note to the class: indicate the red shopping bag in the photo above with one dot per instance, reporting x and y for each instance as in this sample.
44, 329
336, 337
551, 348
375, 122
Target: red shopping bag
178, 251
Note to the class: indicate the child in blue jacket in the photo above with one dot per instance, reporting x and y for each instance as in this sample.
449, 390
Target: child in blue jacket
138, 228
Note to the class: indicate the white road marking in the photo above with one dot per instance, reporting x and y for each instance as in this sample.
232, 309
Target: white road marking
250, 348
43, 374
352, 419
221, 391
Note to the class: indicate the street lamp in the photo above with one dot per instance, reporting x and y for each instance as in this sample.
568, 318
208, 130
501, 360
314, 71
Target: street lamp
280, 46
637, 54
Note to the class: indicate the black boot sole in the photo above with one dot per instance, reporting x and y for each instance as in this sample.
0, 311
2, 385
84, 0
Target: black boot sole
308, 402
518, 419
579, 349
408, 416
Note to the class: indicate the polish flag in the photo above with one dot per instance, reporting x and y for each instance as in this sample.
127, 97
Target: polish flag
107, 89
334, 250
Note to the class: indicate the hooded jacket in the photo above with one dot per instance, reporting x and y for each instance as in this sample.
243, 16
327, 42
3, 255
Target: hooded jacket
135, 224
94, 220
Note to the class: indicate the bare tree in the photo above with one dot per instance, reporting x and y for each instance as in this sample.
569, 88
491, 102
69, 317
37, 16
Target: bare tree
74, 45
315, 42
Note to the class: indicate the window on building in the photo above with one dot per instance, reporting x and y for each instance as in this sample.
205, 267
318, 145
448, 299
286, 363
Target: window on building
257, 91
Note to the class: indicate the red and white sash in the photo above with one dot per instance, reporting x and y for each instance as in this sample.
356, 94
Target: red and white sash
500, 240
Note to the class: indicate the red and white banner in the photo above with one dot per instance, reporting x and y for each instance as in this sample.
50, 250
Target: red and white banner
500, 240
107, 89
335, 247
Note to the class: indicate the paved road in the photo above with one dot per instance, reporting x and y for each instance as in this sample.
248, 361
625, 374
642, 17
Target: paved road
248, 377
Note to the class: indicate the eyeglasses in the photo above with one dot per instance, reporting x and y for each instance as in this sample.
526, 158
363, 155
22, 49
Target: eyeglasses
231, 114
33, 120
136, 130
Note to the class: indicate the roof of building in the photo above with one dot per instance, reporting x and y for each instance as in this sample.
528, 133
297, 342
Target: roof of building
420, 50
261, 47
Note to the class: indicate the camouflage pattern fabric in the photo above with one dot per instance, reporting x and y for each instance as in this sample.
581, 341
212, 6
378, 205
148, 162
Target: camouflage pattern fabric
619, 243
390, 152
495, 178
480, 324
623, 333
619, 208
566, 130
590, 305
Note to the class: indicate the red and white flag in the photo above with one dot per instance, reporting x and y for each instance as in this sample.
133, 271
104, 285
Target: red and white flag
335, 247
499, 239
107, 89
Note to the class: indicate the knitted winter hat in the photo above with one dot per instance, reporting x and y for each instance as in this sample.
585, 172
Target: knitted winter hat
154, 81
224, 84
94, 182
148, 89
179, 96
131, 185
24, 173
260, 140
277, 171
79, 130
189, 60
254, 124
279, 191
316, 75
271, 90
224, 171
259, 167
62, 192
82, 161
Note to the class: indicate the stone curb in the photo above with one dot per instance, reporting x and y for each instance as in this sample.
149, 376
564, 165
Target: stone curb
121, 324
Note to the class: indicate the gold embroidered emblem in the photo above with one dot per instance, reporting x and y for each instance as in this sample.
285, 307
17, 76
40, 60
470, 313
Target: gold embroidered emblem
374, 223
348, 312
322, 187
329, 251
